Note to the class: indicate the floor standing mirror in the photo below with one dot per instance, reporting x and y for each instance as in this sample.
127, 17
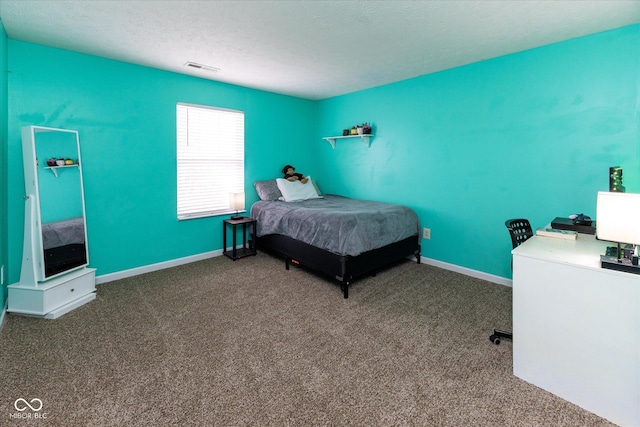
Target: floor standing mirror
54, 278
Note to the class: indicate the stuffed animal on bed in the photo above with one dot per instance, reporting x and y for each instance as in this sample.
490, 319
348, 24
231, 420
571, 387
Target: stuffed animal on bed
290, 175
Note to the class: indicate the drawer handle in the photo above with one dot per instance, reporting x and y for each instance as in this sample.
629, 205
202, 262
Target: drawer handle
72, 289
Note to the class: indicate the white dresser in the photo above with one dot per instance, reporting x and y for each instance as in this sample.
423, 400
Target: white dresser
55, 297
576, 326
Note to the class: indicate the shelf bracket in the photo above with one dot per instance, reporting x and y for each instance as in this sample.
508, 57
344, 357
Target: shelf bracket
54, 169
332, 139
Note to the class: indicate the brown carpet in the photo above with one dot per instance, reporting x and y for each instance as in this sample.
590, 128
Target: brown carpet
227, 343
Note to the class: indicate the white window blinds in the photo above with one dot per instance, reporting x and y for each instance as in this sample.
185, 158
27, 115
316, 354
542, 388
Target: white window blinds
210, 153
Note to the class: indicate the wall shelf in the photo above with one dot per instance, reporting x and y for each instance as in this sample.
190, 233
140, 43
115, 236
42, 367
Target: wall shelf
365, 138
54, 169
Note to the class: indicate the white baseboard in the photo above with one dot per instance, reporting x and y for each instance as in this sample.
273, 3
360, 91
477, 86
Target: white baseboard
4, 311
468, 272
155, 267
193, 258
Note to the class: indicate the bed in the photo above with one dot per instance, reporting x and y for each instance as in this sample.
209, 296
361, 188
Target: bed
64, 245
340, 237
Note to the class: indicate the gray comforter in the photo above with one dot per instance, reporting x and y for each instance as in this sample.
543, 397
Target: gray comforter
338, 224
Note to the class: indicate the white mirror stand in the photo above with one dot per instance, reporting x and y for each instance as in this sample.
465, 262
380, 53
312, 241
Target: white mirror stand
54, 278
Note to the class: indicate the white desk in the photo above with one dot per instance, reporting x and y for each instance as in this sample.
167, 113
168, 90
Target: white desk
576, 326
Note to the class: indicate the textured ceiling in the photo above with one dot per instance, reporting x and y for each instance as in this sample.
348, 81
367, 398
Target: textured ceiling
308, 49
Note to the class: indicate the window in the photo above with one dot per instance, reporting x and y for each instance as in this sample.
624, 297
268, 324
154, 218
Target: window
210, 153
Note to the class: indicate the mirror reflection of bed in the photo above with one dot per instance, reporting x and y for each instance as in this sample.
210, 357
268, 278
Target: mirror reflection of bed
64, 245
54, 278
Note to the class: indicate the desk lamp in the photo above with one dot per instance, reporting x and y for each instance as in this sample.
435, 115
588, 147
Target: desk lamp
618, 221
236, 203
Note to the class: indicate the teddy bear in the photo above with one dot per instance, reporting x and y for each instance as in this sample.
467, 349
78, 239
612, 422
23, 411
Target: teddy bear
291, 175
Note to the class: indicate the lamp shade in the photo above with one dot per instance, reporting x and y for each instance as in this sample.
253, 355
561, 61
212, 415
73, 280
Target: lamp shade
618, 217
236, 201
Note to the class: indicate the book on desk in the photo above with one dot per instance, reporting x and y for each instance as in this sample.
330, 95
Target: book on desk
556, 234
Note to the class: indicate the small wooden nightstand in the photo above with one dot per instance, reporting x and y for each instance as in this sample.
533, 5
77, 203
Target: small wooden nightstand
247, 249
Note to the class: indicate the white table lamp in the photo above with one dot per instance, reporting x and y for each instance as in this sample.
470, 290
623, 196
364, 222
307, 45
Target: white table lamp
236, 203
618, 221
618, 217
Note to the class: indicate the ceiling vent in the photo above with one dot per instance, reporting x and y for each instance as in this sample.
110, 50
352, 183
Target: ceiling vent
201, 67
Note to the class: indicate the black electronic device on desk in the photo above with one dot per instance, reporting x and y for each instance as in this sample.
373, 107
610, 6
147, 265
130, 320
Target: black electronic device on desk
621, 258
578, 222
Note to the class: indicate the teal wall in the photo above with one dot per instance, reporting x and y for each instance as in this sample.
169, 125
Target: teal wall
125, 116
3, 160
525, 135
530, 134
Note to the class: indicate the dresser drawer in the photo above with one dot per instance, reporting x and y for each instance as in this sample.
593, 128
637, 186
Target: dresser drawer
53, 294
68, 291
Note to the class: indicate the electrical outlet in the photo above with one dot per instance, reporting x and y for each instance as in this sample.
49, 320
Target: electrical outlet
426, 233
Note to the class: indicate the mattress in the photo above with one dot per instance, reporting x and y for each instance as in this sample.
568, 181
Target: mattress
338, 224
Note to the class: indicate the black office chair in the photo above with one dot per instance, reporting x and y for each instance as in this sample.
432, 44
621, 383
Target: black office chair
519, 230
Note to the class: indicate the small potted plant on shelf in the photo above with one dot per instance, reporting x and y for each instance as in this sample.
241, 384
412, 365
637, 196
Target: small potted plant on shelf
366, 129
354, 130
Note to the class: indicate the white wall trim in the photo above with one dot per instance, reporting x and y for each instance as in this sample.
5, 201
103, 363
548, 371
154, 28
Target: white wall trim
4, 311
155, 267
468, 272
193, 258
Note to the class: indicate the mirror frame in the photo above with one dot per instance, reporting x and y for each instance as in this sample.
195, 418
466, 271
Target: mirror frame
34, 266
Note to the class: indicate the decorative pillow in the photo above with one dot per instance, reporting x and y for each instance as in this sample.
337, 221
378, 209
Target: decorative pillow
293, 191
267, 190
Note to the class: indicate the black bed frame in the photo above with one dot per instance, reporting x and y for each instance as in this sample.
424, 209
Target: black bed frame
343, 268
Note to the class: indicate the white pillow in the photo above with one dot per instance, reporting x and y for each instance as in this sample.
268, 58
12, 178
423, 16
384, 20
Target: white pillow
292, 191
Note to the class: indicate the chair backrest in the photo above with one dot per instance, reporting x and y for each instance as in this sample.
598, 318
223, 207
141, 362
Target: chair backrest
519, 229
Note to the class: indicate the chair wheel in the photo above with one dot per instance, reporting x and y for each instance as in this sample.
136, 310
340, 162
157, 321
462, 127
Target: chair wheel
495, 339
